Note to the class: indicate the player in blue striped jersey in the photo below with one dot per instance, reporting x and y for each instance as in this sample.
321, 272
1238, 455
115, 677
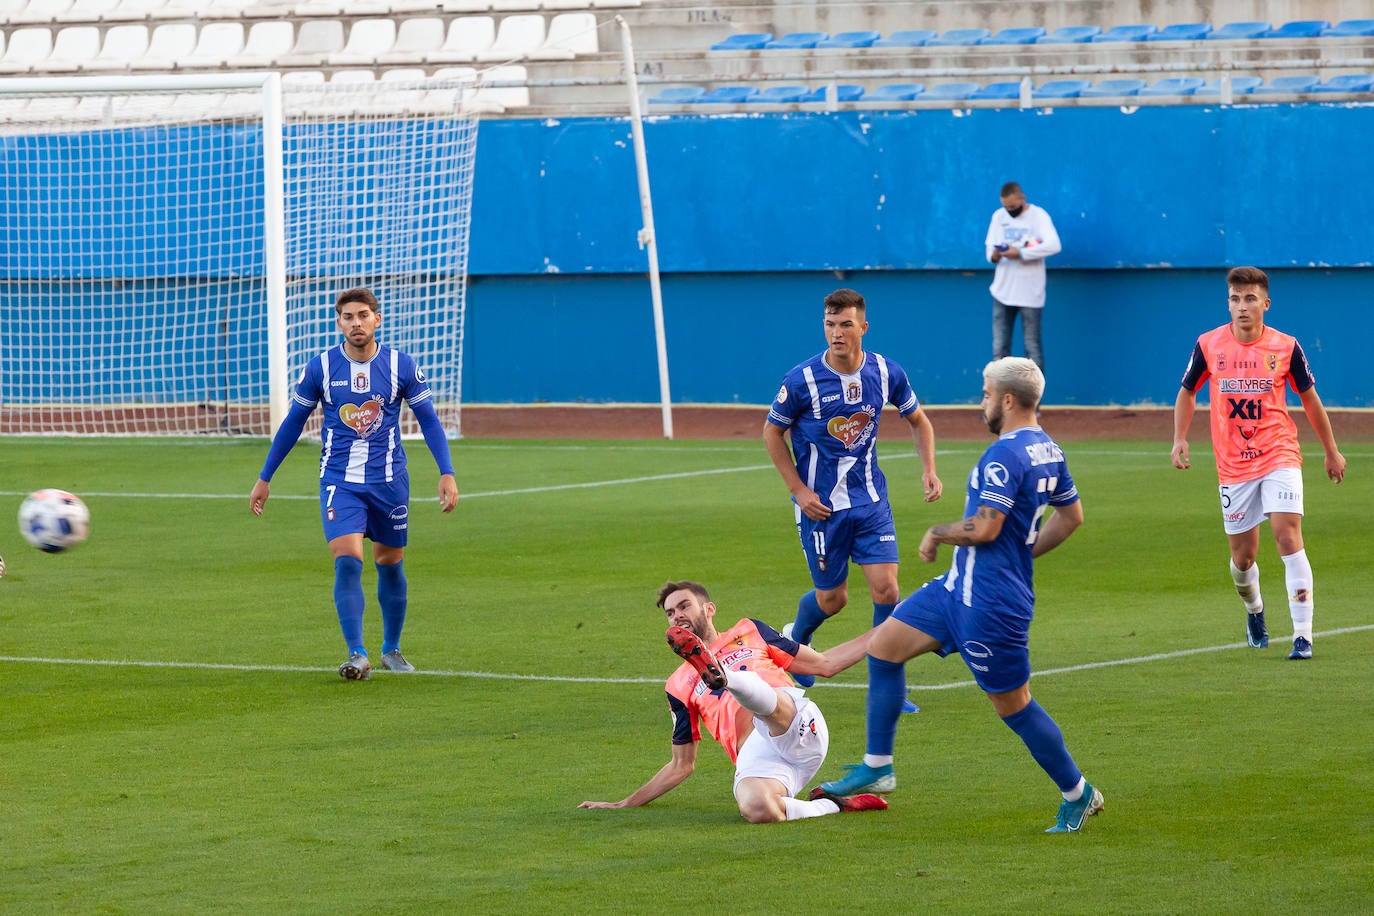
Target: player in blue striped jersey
830, 406
364, 484
981, 607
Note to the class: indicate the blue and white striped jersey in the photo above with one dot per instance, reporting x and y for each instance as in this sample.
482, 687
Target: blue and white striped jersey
1020, 474
834, 423
360, 434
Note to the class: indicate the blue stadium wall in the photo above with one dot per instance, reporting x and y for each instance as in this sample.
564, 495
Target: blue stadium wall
759, 216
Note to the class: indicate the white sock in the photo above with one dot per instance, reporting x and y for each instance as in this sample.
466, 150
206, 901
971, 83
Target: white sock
1076, 792
1247, 586
877, 760
1297, 573
798, 808
753, 692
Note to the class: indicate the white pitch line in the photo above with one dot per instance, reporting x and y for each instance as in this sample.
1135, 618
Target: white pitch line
564, 679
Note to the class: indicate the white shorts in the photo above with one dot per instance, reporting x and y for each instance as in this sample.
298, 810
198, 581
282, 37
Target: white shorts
1245, 505
793, 757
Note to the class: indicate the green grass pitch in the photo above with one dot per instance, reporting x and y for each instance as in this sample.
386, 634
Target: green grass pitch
174, 737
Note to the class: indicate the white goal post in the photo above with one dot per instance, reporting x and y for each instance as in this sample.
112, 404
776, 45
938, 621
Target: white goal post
171, 245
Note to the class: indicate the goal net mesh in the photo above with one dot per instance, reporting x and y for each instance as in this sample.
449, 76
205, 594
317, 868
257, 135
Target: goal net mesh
132, 248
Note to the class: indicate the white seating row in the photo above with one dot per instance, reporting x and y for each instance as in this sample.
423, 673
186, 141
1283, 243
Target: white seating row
283, 44
31, 12
408, 91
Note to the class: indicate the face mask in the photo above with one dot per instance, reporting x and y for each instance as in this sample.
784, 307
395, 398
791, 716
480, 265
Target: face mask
1017, 212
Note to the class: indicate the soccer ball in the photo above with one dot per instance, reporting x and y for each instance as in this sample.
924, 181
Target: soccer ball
53, 520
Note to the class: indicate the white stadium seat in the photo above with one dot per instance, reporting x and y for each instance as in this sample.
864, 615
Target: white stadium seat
316, 40
267, 43
87, 10
74, 45
218, 44
169, 44
303, 78
135, 10
367, 40
414, 39
467, 37
516, 37
570, 34
41, 11
26, 50
123, 45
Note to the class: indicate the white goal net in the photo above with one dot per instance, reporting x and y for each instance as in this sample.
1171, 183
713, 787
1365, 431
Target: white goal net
170, 248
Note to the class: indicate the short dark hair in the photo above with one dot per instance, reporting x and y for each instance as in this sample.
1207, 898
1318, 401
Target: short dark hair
696, 588
357, 294
842, 299
1010, 187
1248, 276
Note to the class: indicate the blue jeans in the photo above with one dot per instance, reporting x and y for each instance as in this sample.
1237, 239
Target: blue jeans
1004, 319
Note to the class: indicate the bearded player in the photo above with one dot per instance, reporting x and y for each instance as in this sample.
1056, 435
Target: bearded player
364, 485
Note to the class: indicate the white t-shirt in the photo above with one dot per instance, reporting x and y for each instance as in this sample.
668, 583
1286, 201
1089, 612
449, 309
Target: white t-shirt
1021, 281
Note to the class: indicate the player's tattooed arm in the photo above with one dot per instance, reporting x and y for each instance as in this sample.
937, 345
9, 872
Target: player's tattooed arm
979, 528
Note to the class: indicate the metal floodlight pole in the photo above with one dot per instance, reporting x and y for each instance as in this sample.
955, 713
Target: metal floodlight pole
646, 234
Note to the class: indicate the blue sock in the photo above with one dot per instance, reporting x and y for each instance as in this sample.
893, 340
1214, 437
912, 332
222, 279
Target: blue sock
1046, 743
882, 611
348, 600
809, 618
391, 595
886, 690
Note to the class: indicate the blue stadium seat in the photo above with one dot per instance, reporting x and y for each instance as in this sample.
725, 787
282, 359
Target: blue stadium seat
677, 95
960, 37
1174, 85
1023, 36
1347, 82
895, 92
1302, 28
1112, 88
843, 93
1350, 27
1234, 30
745, 41
728, 95
798, 40
1288, 85
1240, 85
1061, 89
862, 39
950, 91
907, 38
1070, 34
1127, 33
999, 91
1182, 31
780, 94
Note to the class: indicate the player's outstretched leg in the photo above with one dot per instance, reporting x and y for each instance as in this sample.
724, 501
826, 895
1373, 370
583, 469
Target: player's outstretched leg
694, 652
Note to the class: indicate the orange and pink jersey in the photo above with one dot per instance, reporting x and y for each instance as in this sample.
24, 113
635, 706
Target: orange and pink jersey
750, 645
1252, 433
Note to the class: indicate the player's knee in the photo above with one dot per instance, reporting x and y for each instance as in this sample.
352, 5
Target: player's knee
760, 810
832, 601
886, 593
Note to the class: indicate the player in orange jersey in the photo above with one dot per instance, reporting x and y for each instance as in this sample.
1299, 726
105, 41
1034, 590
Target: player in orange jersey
1259, 466
736, 683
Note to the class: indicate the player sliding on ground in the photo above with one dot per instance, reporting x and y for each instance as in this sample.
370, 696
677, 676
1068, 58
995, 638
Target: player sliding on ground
737, 683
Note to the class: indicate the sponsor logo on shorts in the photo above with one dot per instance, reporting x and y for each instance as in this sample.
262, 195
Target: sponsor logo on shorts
401, 515
808, 726
888, 537
329, 513
1235, 516
973, 649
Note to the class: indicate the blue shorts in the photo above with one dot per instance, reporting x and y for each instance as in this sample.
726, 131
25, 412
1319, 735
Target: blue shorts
379, 511
994, 644
863, 534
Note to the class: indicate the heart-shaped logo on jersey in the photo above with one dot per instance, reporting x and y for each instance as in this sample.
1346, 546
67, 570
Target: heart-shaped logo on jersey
849, 429
362, 418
